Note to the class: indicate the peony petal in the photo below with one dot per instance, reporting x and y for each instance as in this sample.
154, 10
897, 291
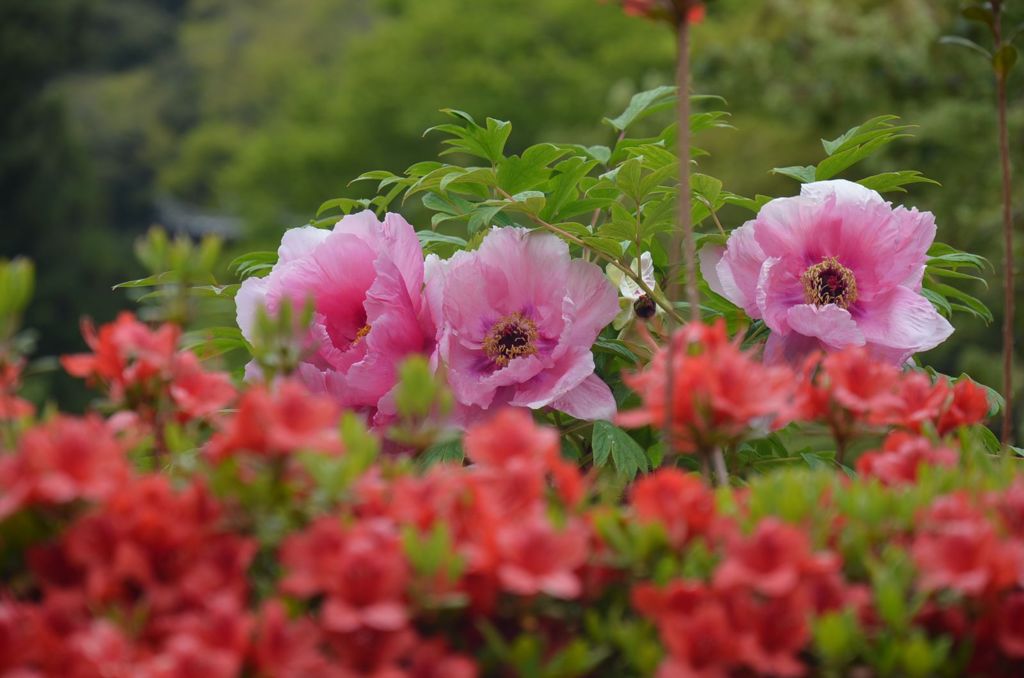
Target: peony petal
395, 333
778, 289
710, 256
556, 381
589, 304
251, 295
834, 326
902, 323
846, 191
590, 401
531, 267
739, 269
300, 242
789, 349
786, 226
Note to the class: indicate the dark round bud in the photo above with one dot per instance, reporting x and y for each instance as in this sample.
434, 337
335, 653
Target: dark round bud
644, 307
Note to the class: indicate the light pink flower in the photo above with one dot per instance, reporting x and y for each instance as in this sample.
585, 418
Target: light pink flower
833, 267
365, 278
516, 319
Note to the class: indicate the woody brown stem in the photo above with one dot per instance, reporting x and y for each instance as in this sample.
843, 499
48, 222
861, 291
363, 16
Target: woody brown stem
1008, 280
682, 236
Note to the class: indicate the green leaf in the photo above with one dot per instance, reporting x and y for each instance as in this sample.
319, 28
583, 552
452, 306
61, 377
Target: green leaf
430, 237
966, 44
894, 181
1004, 60
617, 348
834, 164
446, 452
164, 278
250, 263
643, 104
802, 174
627, 456
517, 174
980, 14
859, 134
967, 303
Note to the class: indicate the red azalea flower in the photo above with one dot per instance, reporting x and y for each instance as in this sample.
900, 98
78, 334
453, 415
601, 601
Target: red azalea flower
969, 406
920, 401
279, 422
861, 384
126, 354
510, 435
664, 8
1010, 625
362, 570
901, 457
151, 545
719, 392
11, 406
1010, 504
967, 556
771, 561
678, 501
431, 659
535, 557
198, 393
695, 627
289, 648
772, 632
61, 461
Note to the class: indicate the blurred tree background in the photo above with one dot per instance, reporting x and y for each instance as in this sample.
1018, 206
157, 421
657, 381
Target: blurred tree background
241, 117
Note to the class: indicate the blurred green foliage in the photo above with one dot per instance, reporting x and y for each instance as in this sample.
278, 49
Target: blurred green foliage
260, 110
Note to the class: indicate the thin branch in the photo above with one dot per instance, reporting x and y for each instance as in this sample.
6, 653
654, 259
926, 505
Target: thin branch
684, 230
1008, 282
721, 472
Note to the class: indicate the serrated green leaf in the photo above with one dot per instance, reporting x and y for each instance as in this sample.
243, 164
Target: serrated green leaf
626, 455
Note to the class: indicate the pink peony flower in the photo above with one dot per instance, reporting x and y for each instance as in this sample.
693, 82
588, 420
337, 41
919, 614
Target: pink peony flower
365, 278
833, 267
515, 322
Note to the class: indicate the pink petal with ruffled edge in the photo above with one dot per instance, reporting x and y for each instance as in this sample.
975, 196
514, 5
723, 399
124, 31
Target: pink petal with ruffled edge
791, 348
590, 400
833, 326
902, 323
737, 272
528, 272
251, 295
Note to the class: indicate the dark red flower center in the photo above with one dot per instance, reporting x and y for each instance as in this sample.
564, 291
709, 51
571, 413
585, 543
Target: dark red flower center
829, 282
644, 307
513, 336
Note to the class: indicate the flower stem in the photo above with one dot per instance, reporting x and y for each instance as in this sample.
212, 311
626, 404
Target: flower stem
684, 230
682, 238
721, 472
1008, 281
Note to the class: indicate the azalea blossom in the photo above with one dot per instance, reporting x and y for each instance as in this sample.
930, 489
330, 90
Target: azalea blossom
61, 461
365, 280
634, 302
836, 266
718, 391
515, 322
